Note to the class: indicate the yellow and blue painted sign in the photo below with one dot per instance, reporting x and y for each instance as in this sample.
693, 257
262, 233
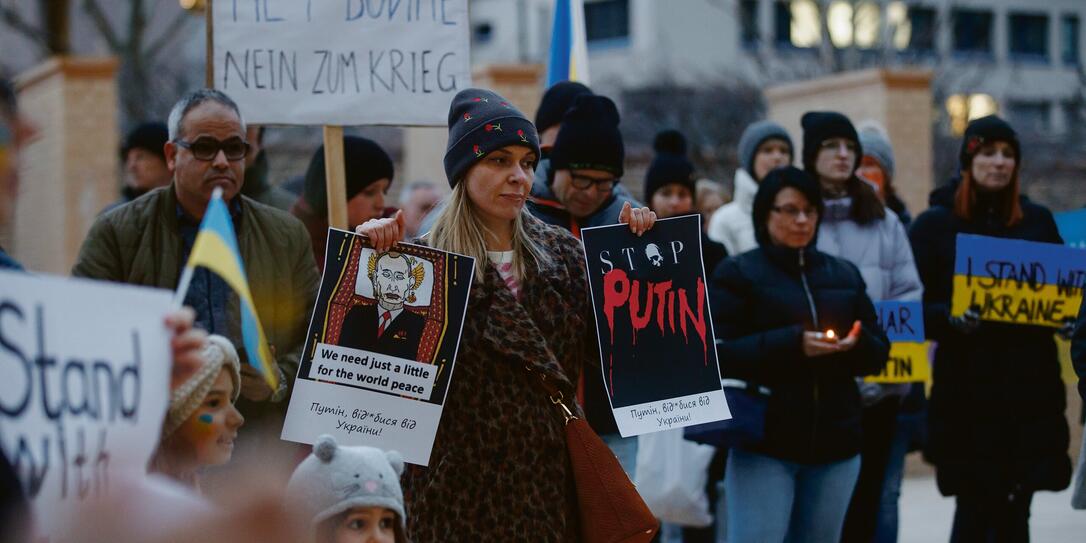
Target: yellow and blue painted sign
1072, 225
903, 323
1017, 281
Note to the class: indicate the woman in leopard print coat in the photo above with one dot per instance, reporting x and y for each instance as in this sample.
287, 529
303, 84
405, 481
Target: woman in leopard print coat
499, 470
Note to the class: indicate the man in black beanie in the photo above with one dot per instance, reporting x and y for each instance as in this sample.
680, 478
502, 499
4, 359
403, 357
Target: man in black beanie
144, 160
582, 188
556, 101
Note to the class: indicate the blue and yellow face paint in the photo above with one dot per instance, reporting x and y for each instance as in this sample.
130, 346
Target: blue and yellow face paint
1017, 281
7, 140
903, 323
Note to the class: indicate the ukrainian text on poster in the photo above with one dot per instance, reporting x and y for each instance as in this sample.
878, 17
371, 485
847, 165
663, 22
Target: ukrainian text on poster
658, 354
381, 346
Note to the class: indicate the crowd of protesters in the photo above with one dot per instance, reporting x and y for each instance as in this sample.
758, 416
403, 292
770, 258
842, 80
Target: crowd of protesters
799, 249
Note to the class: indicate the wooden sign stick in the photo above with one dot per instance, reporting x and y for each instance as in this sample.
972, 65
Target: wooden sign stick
335, 177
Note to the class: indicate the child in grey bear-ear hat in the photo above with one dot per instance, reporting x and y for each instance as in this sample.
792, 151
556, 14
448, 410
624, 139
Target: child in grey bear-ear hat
349, 494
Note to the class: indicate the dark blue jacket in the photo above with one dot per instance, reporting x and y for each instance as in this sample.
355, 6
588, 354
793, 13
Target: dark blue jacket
762, 301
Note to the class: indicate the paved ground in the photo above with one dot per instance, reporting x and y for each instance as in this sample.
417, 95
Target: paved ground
926, 515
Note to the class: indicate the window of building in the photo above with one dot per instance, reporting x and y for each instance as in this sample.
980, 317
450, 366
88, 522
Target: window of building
1030, 116
912, 28
972, 31
1028, 36
606, 20
1069, 45
748, 22
853, 23
962, 108
798, 23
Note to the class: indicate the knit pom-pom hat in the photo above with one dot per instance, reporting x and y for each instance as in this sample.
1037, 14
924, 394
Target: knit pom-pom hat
219, 353
335, 479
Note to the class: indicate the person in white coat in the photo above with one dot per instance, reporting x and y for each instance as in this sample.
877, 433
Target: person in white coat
764, 146
857, 226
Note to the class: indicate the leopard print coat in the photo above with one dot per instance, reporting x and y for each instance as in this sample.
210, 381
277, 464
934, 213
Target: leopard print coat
499, 470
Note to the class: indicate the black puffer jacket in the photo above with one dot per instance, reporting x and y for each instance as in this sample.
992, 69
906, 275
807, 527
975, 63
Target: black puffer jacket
996, 417
761, 306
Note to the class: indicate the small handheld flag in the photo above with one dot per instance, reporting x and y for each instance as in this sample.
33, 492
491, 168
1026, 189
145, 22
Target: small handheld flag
569, 48
216, 248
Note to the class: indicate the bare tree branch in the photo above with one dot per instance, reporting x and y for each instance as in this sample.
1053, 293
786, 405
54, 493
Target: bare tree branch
13, 19
179, 23
102, 23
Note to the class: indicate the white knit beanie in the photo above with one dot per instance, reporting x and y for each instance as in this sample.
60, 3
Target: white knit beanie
219, 353
336, 479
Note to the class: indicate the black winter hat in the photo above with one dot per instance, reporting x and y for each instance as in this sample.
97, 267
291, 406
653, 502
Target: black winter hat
986, 130
819, 126
365, 163
151, 137
556, 101
670, 164
589, 138
774, 182
481, 121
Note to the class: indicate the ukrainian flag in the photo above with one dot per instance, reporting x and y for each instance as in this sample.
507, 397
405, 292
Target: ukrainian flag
569, 49
216, 248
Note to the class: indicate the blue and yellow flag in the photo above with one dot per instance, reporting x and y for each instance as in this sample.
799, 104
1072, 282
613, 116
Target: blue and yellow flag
569, 49
216, 248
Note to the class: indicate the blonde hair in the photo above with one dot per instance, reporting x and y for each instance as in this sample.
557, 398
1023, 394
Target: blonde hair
459, 230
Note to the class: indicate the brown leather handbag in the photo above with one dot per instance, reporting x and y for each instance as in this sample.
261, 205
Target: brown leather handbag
611, 509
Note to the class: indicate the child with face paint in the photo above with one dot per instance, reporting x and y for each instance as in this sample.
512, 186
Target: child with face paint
349, 494
202, 422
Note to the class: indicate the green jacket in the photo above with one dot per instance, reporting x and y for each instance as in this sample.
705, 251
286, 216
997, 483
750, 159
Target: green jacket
139, 243
257, 187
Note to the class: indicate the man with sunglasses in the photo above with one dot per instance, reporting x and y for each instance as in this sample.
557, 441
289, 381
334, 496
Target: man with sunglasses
581, 188
147, 242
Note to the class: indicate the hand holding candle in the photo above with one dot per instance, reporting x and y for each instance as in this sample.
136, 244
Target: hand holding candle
828, 342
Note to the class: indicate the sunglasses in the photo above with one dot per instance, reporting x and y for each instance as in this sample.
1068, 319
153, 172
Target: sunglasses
207, 148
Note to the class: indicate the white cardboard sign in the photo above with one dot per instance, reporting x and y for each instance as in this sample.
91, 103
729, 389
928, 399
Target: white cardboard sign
85, 371
341, 62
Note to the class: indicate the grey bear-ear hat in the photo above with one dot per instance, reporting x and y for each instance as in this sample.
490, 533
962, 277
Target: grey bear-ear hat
219, 353
335, 479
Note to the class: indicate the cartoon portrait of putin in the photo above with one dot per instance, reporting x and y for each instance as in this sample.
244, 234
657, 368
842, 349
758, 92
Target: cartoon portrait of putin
387, 327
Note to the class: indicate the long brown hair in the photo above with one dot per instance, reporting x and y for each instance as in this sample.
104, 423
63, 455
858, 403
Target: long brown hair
866, 205
1007, 201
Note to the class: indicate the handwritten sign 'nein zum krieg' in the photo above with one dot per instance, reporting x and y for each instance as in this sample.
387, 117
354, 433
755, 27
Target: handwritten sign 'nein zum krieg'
85, 368
657, 348
341, 62
1018, 281
903, 323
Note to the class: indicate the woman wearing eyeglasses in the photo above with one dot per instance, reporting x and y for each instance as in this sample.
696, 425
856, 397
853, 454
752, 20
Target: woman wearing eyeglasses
857, 227
797, 321
500, 470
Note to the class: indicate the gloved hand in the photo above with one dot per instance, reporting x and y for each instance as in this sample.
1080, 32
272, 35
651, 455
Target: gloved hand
1068, 328
968, 322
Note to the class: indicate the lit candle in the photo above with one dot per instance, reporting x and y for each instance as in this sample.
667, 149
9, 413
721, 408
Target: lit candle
830, 335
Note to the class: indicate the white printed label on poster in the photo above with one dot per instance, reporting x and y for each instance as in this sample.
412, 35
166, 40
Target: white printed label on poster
657, 346
85, 386
345, 62
381, 346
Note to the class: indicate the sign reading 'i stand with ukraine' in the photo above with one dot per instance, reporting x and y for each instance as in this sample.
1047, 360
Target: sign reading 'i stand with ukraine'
1018, 281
